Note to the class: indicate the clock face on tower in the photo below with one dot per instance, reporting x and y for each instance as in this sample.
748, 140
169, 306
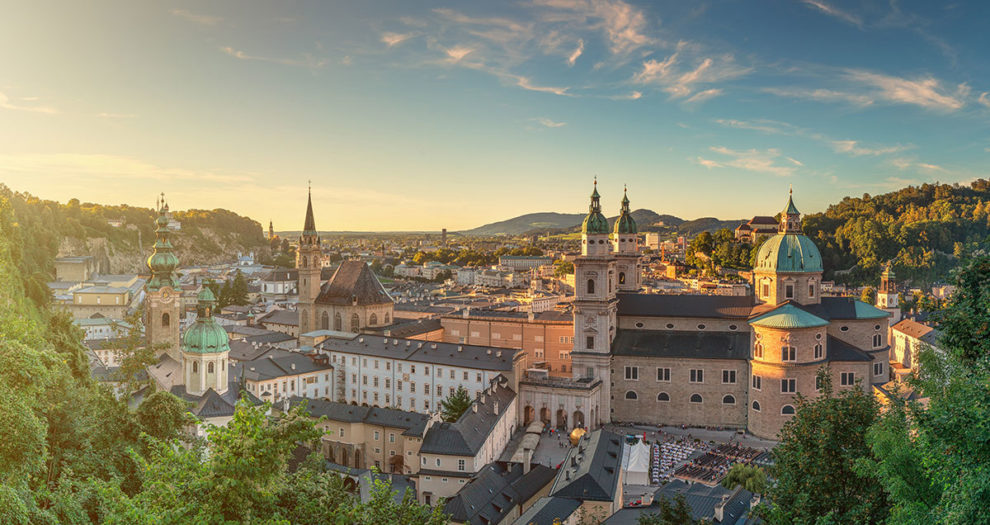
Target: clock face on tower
166, 296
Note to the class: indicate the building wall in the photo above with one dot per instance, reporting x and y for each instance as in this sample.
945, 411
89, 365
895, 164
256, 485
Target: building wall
686, 324
377, 445
383, 314
313, 385
803, 284
156, 331
679, 410
548, 342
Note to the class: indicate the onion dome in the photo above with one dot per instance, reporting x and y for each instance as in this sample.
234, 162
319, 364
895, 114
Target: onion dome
205, 336
162, 261
595, 222
790, 251
625, 222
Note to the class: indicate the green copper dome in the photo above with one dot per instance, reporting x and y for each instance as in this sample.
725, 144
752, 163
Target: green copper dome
789, 253
625, 222
595, 222
788, 317
205, 336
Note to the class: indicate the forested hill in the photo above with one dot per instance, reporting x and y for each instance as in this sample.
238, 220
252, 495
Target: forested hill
77, 228
923, 230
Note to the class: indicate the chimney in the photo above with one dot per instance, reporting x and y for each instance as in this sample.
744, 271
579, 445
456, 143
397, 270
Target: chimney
495, 408
527, 458
293, 366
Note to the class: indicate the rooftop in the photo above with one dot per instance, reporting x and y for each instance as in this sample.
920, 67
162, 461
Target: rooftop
591, 470
466, 436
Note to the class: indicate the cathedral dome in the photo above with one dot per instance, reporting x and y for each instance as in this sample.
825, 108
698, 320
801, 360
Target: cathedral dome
625, 222
789, 253
595, 222
205, 336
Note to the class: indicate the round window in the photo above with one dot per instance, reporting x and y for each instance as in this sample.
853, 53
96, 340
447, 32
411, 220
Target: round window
733, 327
877, 327
639, 325
670, 325
701, 327
818, 336
844, 329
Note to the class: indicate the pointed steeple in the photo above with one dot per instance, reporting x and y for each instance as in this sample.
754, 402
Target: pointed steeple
162, 261
625, 222
790, 220
595, 222
309, 227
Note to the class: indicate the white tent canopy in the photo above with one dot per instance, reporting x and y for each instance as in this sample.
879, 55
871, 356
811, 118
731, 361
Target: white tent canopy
636, 464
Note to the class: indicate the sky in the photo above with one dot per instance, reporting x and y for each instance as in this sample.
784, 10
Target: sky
421, 115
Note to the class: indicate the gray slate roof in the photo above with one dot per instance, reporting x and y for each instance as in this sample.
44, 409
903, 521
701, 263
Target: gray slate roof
386, 417
444, 354
701, 498
492, 494
286, 317
839, 350
590, 470
669, 343
465, 436
703, 306
275, 364
546, 510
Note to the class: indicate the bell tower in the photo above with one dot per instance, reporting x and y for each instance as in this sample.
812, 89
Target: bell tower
163, 305
595, 305
309, 262
625, 243
887, 294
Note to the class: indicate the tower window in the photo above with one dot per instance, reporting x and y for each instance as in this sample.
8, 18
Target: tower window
195, 367
788, 353
209, 368
819, 351
788, 386
166, 320
877, 340
622, 277
811, 290
590, 342
766, 290
591, 286
789, 291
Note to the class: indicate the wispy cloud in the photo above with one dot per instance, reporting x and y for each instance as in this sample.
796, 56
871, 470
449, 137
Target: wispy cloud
984, 99
821, 95
834, 12
455, 54
765, 126
308, 61
702, 96
196, 18
550, 123
925, 92
7, 103
754, 160
394, 39
854, 148
577, 53
104, 167
623, 25
927, 168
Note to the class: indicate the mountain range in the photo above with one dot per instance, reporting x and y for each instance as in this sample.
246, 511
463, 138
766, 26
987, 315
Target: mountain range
647, 220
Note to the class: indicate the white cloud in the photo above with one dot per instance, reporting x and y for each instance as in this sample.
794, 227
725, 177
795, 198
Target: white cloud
753, 160
205, 20
702, 96
635, 95
624, 25
835, 12
853, 148
550, 123
525, 83
795, 161
708, 163
682, 84
766, 126
308, 61
455, 54
577, 53
924, 92
655, 70
394, 39
822, 95
6, 103
984, 98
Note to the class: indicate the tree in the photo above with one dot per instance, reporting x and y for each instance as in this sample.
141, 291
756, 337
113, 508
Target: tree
163, 416
749, 477
239, 290
965, 324
562, 268
226, 291
455, 404
134, 354
869, 295
818, 464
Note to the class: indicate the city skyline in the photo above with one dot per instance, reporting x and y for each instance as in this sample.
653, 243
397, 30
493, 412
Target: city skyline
455, 115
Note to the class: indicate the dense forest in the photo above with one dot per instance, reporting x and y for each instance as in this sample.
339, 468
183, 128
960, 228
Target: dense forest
923, 230
77, 228
72, 453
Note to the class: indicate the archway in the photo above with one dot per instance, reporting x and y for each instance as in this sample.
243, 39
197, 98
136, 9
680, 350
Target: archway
562, 419
530, 415
545, 415
578, 418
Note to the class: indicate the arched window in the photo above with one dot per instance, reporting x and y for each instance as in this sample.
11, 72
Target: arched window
622, 277
756, 406
209, 368
166, 320
591, 286
758, 350
355, 322
728, 400
662, 396
325, 321
877, 340
386, 318
819, 351
787, 410
338, 323
195, 367
631, 395
305, 263
696, 398
373, 320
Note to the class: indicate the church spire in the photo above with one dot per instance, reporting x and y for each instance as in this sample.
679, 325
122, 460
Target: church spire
625, 223
162, 261
309, 228
790, 220
595, 222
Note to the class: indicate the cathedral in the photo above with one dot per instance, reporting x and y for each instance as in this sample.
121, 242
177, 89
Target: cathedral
700, 360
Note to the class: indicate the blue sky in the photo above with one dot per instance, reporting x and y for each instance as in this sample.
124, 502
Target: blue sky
422, 115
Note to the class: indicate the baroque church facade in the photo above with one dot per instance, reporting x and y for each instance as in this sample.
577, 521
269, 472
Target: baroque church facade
698, 360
